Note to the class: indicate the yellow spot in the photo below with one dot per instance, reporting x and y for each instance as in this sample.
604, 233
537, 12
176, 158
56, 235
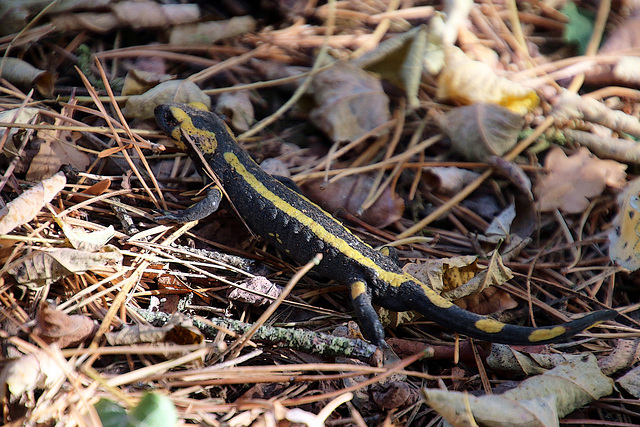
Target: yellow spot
434, 297
205, 140
357, 289
393, 279
546, 334
490, 326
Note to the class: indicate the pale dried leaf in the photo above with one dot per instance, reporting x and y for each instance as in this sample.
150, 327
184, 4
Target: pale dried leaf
23, 209
625, 231
447, 180
37, 370
571, 181
58, 148
464, 82
258, 284
631, 382
182, 91
212, 31
505, 357
349, 102
537, 401
87, 241
237, 108
45, 267
26, 115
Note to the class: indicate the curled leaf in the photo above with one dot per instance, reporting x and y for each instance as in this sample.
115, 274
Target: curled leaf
46, 267
537, 401
26, 207
25, 75
464, 81
183, 91
236, 106
480, 131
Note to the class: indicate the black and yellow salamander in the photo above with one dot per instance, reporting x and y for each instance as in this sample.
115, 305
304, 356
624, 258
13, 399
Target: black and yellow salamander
300, 228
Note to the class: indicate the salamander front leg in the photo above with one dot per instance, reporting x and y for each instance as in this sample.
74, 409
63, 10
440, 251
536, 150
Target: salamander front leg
369, 320
200, 210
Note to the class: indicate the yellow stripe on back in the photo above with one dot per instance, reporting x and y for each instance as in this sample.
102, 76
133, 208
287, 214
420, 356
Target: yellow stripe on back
393, 279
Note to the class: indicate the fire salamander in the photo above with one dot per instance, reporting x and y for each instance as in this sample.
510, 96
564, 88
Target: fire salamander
300, 228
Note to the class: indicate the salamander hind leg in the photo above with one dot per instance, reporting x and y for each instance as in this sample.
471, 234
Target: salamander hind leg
369, 320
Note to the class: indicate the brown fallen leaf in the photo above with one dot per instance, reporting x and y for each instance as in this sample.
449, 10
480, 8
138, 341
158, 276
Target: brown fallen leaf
481, 131
57, 148
23, 209
571, 181
349, 193
538, 401
349, 102
66, 330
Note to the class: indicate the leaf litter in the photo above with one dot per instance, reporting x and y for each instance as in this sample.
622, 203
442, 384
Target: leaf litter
86, 260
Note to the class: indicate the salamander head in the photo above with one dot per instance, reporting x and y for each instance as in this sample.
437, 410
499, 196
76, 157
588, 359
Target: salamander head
186, 124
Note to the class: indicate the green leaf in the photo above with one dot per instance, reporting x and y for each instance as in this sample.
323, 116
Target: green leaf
580, 26
154, 410
111, 414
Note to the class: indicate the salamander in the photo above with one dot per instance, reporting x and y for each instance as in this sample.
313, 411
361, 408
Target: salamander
298, 227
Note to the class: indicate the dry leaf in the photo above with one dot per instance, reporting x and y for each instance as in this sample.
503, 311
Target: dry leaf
25, 75
625, 231
23, 209
137, 82
138, 15
26, 115
183, 91
66, 330
211, 32
37, 370
481, 131
504, 357
258, 284
179, 330
237, 108
631, 382
349, 102
58, 148
349, 193
490, 301
86, 241
447, 180
571, 181
399, 59
46, 267
537, 401
464, 81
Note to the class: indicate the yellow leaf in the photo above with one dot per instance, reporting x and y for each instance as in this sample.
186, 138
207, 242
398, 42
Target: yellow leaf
464, 82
